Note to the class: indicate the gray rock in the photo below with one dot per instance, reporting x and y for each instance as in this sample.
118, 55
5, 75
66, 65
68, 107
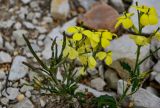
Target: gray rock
41, 29
157, 78
5, 57
12, 93
28, 94
2, 75
9, 47
72, 22
18, 35
112, 78
18, 70
26, 88
1, 41
25, 1
28, 25
153, 75
60, 9
121, 86
18, 25
26, 103
144, 99
157, 67
56, 32
47, 19
124, 47
47, 52
92, 71
151, 3
152, 90
98, 84
6, 24
154, 45
23, 12
118, 5
87, 4
4, 101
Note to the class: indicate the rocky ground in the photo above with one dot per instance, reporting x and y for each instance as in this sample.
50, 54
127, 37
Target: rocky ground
43, 20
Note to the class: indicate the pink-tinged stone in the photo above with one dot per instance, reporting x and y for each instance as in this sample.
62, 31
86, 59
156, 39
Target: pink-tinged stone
101, 16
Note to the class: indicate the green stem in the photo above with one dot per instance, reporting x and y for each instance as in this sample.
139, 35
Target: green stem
137, 58
148, 56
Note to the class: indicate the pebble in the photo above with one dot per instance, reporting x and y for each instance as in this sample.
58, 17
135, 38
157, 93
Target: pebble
98, 83
26, 88
41, 29
12, 93
26, 103
4, 101
28, 94
1, 41
87, 4
60, 9
118, 5
112, 78
152, 90
29, 25
18, 70
26, 1
5, 57
157, 67
18, 25
18, 35
6, 24
2, 75
101, 16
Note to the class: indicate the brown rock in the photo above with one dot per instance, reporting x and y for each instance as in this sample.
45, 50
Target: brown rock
101, 16
119, 69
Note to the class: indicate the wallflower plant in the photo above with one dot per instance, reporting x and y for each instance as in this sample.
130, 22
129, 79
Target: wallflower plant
86, 46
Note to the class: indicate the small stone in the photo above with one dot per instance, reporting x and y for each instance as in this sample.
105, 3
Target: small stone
12, 93
18, 69
18, 26
56, 32
47, 52
20, 97
118, 5
47, 19
43, 103
26, 88
157, 67
153, 75
41, 29
157, 78
9, 47
2, 75
92, 71
152, 90
60, 9
4, 101
5, 57
1, 41
28, 94
98, 84
25, 1
101, 16
18, 35
28, 25
26, 103
30, 16
87, 4
112, 78
6, 24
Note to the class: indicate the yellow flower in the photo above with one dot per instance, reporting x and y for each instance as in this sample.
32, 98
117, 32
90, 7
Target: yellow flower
140, 40
149, 15
82, 71
83, 59
92, 62
157, 35
106, 56
76, 31
93, 38
70, 52
125, 20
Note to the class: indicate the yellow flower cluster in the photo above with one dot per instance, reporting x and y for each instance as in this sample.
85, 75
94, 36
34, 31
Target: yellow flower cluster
85, 45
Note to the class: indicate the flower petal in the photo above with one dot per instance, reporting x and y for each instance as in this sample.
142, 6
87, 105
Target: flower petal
105, 43
77, 36
153, 19
92, 62
101, 55
144, 20
127, 23
108, 60
72, 29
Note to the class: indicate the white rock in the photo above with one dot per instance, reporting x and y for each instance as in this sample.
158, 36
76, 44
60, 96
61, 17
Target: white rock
124, 47
26, 88
121, 86
12, 93
87, 4
18, 25
2, 75
60, 9
5, 57
157, 67
18, 35
47, 19
118, 5
157, 78
26, 103
152, 90
47, 52
72, 22
83, 88
28, 94
151, 3
41, 29
4, 101
26, 1
9, 47
6, 24
28, 25
154, 45
153, 75
144, 99
23, 12
18, 70
56, 32
98, 84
